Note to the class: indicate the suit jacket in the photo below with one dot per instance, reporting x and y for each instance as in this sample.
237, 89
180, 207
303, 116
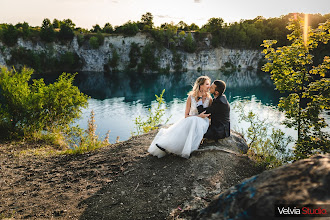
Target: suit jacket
220, 117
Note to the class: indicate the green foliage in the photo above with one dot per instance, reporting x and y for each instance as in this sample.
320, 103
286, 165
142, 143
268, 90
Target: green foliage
100, 38
154, 118
149, 61
88, 140
24, 30
96, 28
44, 61
134, 55
307, 86
189, 44
114, 60
147, 21
177, 60
47, 32
29, 108
94, 42
128, 29
108, 28
40, 61
69, 61
80, 39
9, 35
56, 23
66, 32
269, 149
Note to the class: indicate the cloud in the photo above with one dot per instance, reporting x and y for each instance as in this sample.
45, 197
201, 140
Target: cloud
167, 16
197, 1
114, 1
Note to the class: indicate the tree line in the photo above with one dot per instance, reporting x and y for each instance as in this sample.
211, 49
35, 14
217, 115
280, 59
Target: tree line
245, 34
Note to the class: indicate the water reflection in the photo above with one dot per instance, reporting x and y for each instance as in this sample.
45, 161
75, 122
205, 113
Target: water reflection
134, 86
118, 98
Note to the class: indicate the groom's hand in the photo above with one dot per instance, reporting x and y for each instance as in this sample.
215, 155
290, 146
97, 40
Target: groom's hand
203, 115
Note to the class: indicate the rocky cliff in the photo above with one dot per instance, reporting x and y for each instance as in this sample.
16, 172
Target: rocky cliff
207, 58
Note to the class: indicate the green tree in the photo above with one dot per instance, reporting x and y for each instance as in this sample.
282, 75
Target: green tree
134, 55
94, 42
100, 38
66, 32
34, 107
147, 21
96, 28
56, 23
189, 44
114, 60
69, 23
149, 61
183, 26
193, 27
47, 32
24, 30
128, 29
9, 35
307, 86
108, 28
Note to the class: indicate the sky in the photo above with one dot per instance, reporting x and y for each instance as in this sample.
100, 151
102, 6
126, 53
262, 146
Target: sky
86, 13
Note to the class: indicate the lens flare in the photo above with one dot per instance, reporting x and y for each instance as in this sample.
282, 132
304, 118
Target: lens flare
306, 30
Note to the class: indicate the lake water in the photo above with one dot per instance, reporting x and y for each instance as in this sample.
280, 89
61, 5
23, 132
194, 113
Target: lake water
118, 98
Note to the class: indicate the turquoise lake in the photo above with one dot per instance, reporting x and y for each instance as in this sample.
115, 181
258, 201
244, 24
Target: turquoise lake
118, 98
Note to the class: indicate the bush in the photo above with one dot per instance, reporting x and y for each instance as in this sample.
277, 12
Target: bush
154, 118
134, 55
189, 44
28, 108
114, 60
94, 42
177, 60
66, 33
269, 151
88, 140
149, 61
9, 35
47, 32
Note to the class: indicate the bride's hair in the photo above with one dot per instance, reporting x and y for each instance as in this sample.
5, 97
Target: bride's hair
199, 81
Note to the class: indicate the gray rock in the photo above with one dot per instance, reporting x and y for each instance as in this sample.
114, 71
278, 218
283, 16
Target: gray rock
302, 182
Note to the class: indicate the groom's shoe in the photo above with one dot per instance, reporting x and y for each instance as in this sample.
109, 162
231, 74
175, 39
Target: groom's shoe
160, 148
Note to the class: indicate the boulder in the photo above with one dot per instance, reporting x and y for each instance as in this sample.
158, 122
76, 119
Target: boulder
304, 182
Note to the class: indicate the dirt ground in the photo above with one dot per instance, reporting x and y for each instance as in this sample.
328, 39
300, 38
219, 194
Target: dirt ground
121, 181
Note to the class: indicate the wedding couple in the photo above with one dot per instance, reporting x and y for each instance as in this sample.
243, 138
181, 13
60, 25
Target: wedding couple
185, 136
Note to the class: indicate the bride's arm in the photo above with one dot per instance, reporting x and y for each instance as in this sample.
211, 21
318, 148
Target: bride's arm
188, 104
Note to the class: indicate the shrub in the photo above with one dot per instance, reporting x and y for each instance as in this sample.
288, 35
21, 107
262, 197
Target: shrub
9, 35
27, 108
154, 118
134, 55
88, 140
268, 150
94, 42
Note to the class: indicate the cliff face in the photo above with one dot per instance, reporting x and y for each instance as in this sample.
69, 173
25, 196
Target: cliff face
94, 59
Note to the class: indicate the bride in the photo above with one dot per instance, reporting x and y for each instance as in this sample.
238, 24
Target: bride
184, 136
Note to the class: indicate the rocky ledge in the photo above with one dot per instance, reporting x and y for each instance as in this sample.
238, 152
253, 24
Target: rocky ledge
300, 184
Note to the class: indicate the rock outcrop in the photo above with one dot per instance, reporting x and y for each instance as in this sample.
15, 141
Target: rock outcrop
302, 183
207, 58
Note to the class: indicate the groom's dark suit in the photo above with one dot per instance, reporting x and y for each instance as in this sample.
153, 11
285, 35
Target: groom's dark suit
220, 121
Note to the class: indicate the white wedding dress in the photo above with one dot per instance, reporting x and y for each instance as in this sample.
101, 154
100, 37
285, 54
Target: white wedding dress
184, 136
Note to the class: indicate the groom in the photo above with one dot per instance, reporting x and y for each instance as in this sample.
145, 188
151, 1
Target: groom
219, 111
